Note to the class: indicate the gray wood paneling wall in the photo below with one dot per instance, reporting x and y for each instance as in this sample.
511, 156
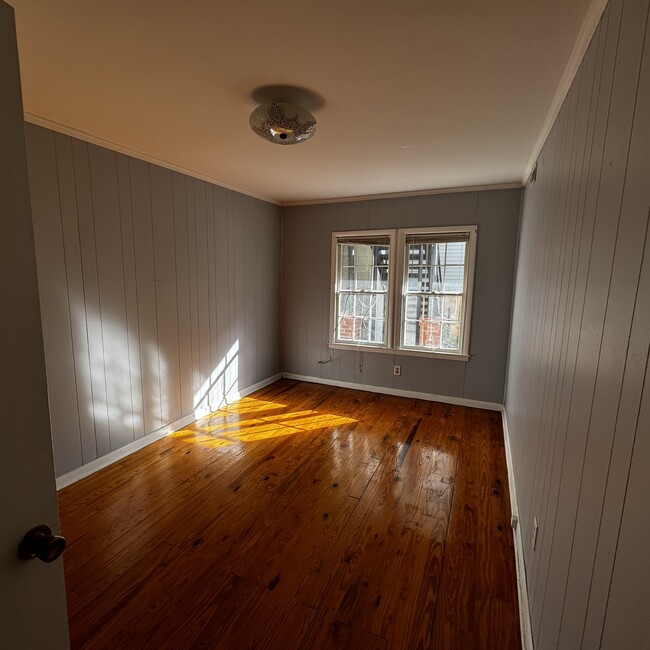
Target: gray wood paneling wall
306, 289
150, 281
577, 401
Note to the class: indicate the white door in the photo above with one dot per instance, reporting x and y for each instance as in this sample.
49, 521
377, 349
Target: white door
32, 594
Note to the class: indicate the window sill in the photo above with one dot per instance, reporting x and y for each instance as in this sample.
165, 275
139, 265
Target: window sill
401, 352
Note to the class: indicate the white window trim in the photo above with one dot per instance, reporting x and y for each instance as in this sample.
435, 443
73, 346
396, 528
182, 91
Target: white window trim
395, 294
470, 257
390, 317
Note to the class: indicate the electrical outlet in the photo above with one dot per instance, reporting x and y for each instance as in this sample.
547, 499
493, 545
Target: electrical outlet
535, 528
359, 367
397, 371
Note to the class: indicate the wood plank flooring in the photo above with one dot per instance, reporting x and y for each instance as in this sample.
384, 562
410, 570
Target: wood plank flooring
305, 517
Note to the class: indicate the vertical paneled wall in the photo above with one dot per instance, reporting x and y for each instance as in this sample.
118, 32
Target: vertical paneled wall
159, 293
577, 401
307, 234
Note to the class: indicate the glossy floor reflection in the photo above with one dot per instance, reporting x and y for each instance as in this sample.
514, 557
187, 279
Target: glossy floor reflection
303, 516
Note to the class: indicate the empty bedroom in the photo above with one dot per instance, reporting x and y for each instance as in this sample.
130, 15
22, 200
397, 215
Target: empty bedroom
326, 325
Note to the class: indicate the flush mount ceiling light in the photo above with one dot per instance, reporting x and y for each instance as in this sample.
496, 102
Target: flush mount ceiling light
283, 123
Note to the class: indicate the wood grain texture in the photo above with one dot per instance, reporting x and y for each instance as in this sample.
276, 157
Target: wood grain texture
303, 516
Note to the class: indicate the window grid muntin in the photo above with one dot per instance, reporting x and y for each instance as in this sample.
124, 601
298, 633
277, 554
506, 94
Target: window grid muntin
365, 325
423, 326
397, 282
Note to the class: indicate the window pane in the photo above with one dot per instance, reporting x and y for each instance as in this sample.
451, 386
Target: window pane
346, 254
380, 278
434, 307
418, 278
451, 308
377, 327
362, 305
380, 307
364, 277
455, 253
346, 304
437, 277
346, 278
454, 279
416, 254
410, 333
450, 336
429, 333
412, 307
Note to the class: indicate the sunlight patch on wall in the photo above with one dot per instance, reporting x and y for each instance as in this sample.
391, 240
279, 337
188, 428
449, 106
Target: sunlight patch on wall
221, 386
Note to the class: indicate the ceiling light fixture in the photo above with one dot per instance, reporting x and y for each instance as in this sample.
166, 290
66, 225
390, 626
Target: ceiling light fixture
282, 123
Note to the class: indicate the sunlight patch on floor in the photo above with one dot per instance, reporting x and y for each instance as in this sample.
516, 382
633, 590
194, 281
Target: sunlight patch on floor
242, 424
218, 429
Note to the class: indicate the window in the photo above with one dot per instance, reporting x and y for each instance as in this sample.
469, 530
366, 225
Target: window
420, 278
362, 296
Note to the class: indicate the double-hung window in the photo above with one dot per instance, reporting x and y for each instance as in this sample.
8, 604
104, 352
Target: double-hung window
407, 291
435, 302
362, 276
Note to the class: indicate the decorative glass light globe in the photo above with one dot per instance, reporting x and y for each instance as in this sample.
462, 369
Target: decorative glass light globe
282, 123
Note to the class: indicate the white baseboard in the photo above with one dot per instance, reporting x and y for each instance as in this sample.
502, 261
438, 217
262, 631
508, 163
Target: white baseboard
112, 457
460, 401
522, 584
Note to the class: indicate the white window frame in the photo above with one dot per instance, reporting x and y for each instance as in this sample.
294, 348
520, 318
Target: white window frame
397, 279
361, 234
468, 284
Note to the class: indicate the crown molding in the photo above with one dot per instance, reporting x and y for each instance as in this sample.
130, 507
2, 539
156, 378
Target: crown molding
589, 25
45, 122
400, 195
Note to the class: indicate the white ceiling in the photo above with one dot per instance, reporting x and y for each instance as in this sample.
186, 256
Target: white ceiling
419, 94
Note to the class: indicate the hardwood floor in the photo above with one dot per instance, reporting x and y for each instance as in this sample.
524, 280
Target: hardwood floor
303, 516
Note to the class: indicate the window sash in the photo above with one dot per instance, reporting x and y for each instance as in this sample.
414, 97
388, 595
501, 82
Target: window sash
436, 328
408, 238
373, 321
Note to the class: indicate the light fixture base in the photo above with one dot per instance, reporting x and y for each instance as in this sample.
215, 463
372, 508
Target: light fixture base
282, 123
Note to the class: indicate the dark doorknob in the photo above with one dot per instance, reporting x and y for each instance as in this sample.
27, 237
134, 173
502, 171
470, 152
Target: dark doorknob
39, 542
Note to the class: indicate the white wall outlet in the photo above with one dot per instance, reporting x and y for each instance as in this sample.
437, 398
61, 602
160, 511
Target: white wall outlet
535, 528
359, 367
397, 371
